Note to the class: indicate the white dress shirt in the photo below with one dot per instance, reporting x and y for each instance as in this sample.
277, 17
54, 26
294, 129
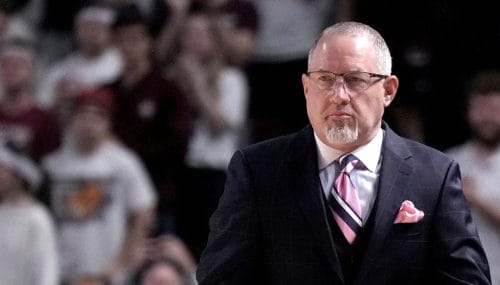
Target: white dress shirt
365, 179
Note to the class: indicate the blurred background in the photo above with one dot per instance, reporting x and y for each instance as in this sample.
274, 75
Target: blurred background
131, 110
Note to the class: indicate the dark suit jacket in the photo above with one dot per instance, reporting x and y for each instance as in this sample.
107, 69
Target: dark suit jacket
271, 225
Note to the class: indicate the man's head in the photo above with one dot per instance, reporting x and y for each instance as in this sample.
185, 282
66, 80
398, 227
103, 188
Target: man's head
90, 122
93, 29
197, 37
346, 111
17, 66
484, 108
133, 36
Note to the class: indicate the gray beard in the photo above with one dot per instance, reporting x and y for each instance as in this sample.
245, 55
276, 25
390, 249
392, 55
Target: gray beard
344, 131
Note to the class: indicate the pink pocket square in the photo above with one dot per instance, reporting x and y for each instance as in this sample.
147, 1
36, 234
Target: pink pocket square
408, 214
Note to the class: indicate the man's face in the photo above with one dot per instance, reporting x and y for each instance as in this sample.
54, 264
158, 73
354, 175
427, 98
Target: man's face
16, 69
342, 118
484, 118
89, 125
134, 43
197, 37
93, 36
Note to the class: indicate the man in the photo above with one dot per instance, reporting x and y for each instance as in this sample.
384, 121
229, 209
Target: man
289, 215
22, 123
153, 114
101, 195
93, 63
479, 160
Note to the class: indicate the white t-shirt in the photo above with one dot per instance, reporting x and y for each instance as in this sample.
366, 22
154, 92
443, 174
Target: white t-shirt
88, 72
214, 151
486, 175
92, 197
28, 253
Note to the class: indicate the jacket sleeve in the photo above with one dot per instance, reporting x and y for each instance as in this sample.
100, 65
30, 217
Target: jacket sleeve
456, 250
232, 250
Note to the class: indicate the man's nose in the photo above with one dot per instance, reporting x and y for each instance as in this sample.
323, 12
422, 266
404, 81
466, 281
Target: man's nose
338, 93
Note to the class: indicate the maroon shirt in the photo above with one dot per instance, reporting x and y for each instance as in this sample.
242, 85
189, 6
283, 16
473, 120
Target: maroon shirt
35, 132
154, 119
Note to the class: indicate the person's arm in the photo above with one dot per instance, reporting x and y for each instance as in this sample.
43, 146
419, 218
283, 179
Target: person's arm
233, 249
203, 94
130, 255
141, 204
206, 101
457, 254
167, 37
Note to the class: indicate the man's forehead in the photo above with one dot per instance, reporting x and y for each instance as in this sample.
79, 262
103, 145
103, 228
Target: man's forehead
331, 48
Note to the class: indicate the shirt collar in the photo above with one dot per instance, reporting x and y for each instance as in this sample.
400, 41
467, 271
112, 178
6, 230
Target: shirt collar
368, 154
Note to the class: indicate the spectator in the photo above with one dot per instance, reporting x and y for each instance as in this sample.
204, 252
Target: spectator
219, 95
27, 243
100, 194
153, 115
22, 123
95, 61
479, 160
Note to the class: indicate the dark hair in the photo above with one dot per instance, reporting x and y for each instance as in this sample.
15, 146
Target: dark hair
485, 83
130, 15
149, 264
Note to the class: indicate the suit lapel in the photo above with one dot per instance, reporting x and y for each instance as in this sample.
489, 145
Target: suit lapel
394, 172
305, 180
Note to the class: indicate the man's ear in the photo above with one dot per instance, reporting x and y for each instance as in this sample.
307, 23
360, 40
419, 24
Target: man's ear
391, 87
305, 84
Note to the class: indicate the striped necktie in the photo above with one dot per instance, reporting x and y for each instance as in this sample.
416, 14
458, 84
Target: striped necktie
344, 201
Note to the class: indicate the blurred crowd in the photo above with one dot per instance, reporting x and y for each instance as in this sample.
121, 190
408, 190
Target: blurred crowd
118, 119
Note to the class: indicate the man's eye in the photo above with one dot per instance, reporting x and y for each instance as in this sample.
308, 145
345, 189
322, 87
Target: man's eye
354, 79
325, 78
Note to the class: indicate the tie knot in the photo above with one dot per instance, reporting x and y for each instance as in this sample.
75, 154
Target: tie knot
348, 162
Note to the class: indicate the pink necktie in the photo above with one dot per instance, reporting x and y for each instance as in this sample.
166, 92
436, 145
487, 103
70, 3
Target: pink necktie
344, 201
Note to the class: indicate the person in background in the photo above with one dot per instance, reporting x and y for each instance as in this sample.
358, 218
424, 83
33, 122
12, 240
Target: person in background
345, 200
101, 195
31, 129
479, 159
28, 254
219, 95
93, 63
153, 115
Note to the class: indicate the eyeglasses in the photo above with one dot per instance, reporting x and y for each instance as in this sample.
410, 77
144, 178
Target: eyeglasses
355, 81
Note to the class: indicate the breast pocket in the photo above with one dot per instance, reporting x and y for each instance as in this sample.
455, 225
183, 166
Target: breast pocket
409, 231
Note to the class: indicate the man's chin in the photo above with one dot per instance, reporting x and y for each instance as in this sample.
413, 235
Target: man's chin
341, 135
